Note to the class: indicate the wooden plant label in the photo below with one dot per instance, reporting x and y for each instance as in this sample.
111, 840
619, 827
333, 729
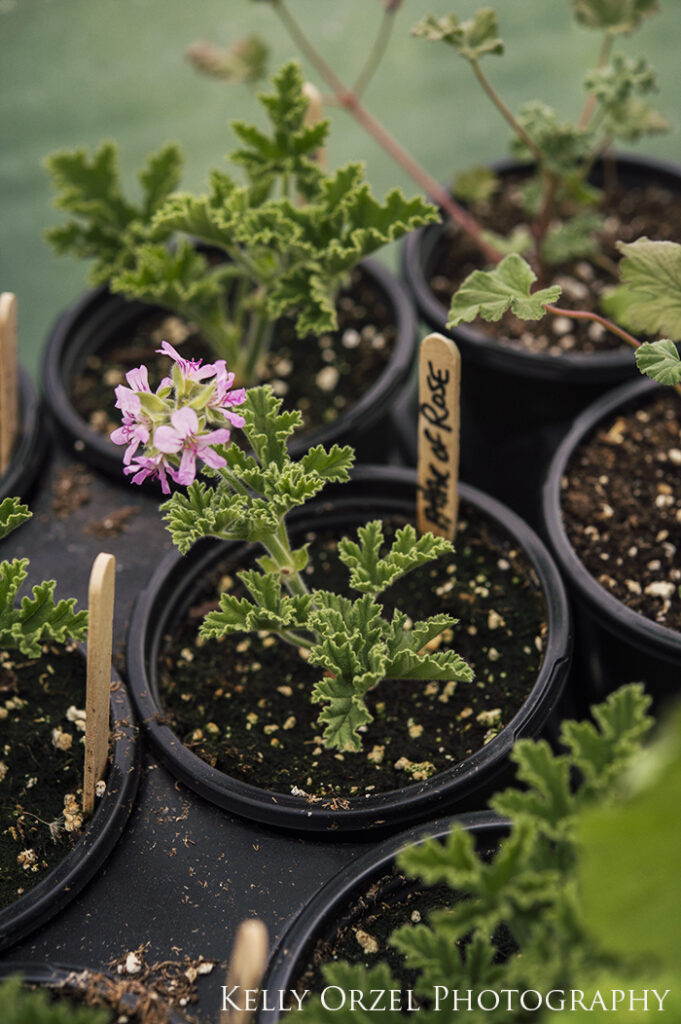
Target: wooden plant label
313, 115
245, 972
9, 383
99, 640
439, 418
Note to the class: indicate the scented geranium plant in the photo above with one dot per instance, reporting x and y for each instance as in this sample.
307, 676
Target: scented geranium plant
648, 299
550, 913
186, 425
563, 215
39, 618
286, 237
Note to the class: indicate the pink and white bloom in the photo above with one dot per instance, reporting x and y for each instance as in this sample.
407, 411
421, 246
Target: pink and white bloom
224, 398
135, 427
152, 466
191, 369
183, 435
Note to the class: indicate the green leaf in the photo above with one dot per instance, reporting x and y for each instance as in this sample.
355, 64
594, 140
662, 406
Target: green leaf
266, 428
12, 515
476, 185
38, 618
519, 241
572, 239
660, 360
629, 858
613, 16
343, 714
621, 114
370, 573
334, 464
243, 61
106, 226
471, 39
22, 1006
650, 293
563, 145
490, 293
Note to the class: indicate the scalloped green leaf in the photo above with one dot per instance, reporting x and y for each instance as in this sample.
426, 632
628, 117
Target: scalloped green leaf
490, 293
650, 293
12, 514
660, 361
614, 16
472, 39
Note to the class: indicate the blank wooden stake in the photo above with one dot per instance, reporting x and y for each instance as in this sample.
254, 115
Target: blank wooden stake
99, 640
313, 115
9, 384
246, 969
439, 419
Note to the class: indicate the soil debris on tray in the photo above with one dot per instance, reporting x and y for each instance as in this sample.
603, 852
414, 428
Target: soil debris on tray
70, 490
113, 523
243, 703
621, 505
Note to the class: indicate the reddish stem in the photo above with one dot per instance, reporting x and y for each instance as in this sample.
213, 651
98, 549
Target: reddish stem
350, 101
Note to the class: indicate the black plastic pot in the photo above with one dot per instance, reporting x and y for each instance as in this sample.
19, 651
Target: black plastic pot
65, 980
319, 920
80, 864
517, 405
616, 644
373, 491
89, 326
31, 444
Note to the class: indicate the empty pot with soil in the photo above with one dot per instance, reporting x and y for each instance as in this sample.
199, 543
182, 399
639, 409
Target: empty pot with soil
612, 513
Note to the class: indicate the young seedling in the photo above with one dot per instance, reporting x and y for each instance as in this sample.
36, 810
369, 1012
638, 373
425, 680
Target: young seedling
350, 640
437, 503
101, 609
277, 258
9, 383
38, 619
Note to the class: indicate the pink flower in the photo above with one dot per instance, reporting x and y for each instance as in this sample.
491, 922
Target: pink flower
184, 436
131, 433
223, 398
189, 368
152, 466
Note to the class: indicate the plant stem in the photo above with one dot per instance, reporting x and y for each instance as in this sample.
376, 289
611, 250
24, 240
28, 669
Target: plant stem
346, 98
506, 113
590, 104
259, 336
582, 314
376, 53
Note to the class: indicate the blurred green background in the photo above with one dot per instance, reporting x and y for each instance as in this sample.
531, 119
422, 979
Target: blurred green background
73, 72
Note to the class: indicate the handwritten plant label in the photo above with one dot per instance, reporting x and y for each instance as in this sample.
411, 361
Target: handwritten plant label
438, 436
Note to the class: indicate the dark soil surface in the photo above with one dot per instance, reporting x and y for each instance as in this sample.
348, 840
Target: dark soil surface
629, 214
41, 764
242, 703
622, 507
322, 376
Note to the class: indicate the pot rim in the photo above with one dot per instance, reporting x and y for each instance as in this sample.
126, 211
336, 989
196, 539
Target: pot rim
30, 449
610, 612
574, 367
60, 976
419, 800
60, 353
305, 925
57, 888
